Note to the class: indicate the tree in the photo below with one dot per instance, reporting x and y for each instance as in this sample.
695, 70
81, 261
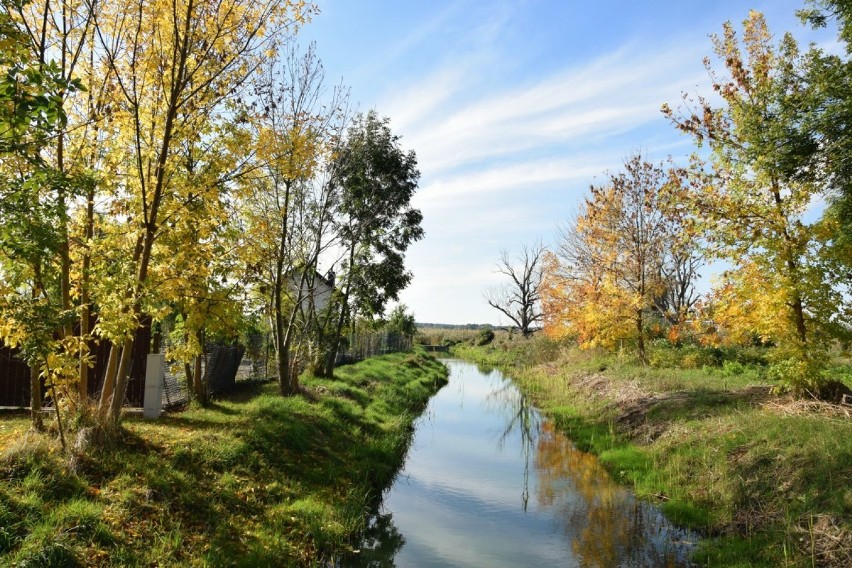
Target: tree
520, 298
288, 201
376, 223
33, 211
400, 321
554, 298
827, 120
175, 65
195, 267
628, 258
751, 196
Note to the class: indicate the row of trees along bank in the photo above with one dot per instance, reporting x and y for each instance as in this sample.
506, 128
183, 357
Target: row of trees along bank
626, 265
186, 161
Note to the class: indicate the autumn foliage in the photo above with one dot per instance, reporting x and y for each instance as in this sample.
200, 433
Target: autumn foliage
173, 164
626, 265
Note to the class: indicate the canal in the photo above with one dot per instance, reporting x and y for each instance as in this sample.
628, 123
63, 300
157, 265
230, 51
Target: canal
489, 482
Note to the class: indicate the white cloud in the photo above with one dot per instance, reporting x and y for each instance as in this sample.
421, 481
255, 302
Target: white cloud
517, 175
604, 97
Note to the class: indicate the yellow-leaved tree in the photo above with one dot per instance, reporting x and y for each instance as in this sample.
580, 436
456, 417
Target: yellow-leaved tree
175, 64
617, 258
750, 198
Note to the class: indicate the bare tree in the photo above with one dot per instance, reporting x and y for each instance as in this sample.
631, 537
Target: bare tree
680, 272
520, 299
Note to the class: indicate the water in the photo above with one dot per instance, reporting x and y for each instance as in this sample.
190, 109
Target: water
489, 482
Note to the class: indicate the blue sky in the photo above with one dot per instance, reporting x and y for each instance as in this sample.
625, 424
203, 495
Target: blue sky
514, 107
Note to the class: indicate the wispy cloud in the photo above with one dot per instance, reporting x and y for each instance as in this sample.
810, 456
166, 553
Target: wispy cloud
520, 175
505, 165
600, 99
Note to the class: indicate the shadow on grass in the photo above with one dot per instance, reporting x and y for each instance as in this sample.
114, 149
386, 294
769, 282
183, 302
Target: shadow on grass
649, 417
252, 479
183, 421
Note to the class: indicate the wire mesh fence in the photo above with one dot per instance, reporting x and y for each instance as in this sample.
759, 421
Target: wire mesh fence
361, 345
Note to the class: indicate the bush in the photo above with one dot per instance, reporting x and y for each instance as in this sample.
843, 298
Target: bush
484, 337
734, 360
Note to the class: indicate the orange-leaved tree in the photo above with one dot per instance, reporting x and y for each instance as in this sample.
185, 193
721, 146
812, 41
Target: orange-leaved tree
617, 256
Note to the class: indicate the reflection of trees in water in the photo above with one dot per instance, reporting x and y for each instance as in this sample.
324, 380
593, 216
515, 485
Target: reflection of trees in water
484, 368
523, 419
604, 523
607, 526
380, 545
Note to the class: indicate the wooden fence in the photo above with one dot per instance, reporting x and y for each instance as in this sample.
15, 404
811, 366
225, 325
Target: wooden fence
15, 374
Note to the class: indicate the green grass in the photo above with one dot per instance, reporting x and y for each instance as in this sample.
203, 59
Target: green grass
252, 480
766, 484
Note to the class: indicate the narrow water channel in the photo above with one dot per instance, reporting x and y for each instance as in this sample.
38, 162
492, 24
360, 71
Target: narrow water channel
489, 482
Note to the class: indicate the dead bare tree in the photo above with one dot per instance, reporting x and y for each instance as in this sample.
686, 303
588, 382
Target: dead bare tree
520, 299
680, 272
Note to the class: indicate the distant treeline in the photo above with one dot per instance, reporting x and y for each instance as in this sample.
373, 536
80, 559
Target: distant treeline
470, 326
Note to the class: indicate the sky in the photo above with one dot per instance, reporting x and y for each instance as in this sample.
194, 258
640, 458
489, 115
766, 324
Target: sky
515, 107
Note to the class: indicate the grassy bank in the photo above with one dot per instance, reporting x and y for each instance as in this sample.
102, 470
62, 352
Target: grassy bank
765, 478
253, 480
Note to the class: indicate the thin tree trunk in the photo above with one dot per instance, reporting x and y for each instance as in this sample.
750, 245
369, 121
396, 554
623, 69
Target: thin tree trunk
195, 376
86, 310
57, 410
35, 399
282, 350
335, 341
190, 378
122, 378
108, 387
202, 390
799, 314
792, 266
640, 337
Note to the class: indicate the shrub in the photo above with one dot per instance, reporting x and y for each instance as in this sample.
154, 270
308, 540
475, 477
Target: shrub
484, 337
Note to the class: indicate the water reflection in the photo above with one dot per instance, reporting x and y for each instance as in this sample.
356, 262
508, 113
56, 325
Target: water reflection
607, 526
464, 497
483, 368
522, 424
381, 542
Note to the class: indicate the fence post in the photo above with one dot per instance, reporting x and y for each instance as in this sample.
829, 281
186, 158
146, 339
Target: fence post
154, 378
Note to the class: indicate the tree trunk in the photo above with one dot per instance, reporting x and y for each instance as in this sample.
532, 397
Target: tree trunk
199, 386
143, 254
335, 340
640, 338
122, 378
799, 316
282, 350
283, 361
203, 391
35, 399
86, 310
792, 267
109, 377
190, 378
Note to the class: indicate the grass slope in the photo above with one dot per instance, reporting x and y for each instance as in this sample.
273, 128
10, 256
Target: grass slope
767, 479
252, 480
